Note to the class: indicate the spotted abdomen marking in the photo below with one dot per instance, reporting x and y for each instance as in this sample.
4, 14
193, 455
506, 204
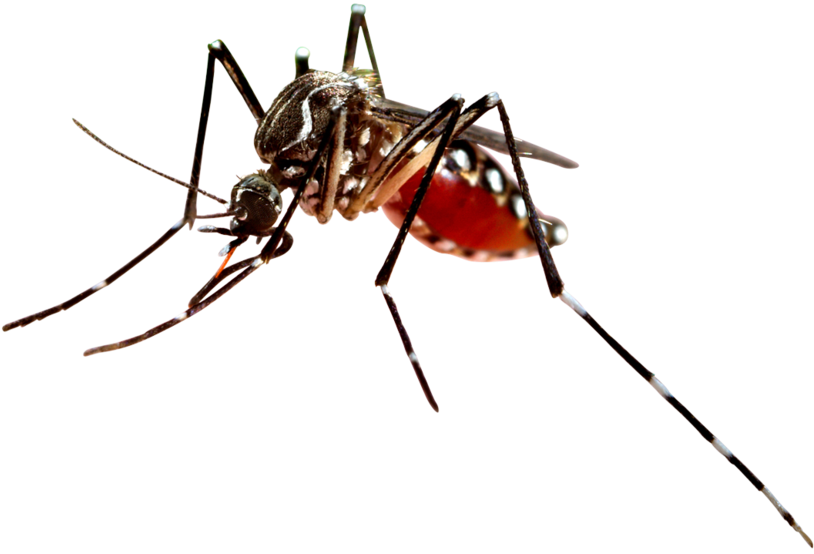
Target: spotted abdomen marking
473, 209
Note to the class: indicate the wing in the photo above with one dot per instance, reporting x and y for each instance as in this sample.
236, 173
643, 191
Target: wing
493, 140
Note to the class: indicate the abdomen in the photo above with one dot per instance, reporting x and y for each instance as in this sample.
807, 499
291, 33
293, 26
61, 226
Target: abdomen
473, 209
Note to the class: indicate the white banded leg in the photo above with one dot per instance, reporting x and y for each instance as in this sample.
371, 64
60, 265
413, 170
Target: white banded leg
271, 250
557, 289
572, 303
447, 115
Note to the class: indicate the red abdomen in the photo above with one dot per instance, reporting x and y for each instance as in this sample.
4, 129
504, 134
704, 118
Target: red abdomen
473, 209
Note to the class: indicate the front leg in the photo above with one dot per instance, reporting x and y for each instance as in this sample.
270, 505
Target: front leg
215, 50
219, 51
191, 201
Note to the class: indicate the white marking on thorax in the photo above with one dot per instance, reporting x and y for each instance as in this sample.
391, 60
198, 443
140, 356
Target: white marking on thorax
363, 181
364, 136
293, 172
350, 183
385, 148
347, 158
307, 118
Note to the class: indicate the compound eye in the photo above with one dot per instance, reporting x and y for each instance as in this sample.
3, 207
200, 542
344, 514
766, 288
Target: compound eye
261, 212
259, 203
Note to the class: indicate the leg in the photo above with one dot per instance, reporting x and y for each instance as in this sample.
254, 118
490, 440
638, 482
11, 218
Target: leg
188, 218
225, 270
333, 170
450, 112
281, 240
338, 117
179, 318
191, 201
385, 182
270, 250
557, 289
98, 286
221, 52
357, 20
555, 284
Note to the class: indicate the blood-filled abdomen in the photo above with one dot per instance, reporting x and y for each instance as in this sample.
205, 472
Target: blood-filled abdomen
473, 209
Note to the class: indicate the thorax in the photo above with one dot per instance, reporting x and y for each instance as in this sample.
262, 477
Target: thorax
295, 124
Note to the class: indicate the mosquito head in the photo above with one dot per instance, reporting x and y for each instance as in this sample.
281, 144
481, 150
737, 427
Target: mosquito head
257, 204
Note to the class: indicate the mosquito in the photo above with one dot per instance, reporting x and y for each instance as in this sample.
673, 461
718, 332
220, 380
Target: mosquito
342, 146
